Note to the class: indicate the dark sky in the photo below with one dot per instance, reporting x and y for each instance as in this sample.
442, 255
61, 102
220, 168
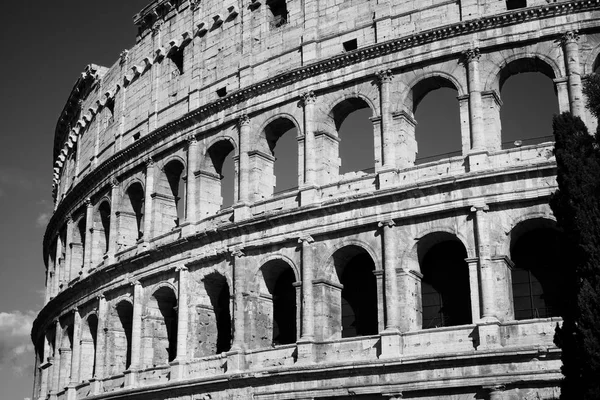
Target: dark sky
45, 46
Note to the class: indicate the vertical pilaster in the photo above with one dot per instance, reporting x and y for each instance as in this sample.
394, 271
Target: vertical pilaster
308, 193
99, 355
89, 226
308, 311
76, 356
57, 267
56, 361
69, 270
475, 104
244, 176
485, 271
191, 190
114, 207
136, 335
391, 281
238, 301
384, 78
182, 324
65, 370
149, 189
571, 52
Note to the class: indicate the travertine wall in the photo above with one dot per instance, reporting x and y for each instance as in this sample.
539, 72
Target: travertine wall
175, 295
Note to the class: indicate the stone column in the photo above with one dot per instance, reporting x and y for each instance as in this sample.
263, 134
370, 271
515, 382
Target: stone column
238, 300
244, 177
89, 225
114, 207
76, 356
65, 356
496, 392
149, 189
136, 335
562, 92
178, 372
475, 104
308, 194
100, 346
191, 190
485, 270
384, 78
571, 51
54, 388
391, 281
69, 271
308, 311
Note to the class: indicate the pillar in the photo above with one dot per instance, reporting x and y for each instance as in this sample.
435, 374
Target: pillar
389, 266
56, 361
475, 104
76, 356
384, 79
100, 345
136, 335
244, 177
308, 193
178, 372
149, 189
485, 271
238, 300
65, 356
191, 189
89, 224
571, 52
114, 207
562, 92
308, 311
496, 392
69, 272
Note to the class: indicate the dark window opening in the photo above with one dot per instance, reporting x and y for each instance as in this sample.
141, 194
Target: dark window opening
110, 105
350, 45
222, 92
351, 118
279, 279
167, 305
283, 144
93, 330
538, 256
177, 58
217, 288
136, 136
514, 4
279, 13
445, 287
174, 172
125, 314
136, 198
359, 294
104, 211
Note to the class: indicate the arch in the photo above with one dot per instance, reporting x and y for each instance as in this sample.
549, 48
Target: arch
445, 284
89, 336
219, 316
523, 62
356, 299
331, 272
538, 253
160, 326
131, 215
275, 169
592, 61
215, 194
437, 132
276, 307
279, 257
119, 336
101, 231
348, 95
429, 81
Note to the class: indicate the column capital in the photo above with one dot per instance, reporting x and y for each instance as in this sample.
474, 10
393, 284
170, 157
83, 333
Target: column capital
88, 202
482, 207
243, 120
569, 37
100, 297
114, 182
181, 268
306, 239
236, 252
149, 162
134, 282
191, 140
308, 98
470, 55
386, 223
70, 219
384, 76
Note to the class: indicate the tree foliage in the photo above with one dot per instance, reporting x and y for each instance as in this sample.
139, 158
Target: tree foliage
576, 205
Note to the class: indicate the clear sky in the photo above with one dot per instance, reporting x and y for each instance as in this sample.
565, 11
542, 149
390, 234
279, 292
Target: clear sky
46, 45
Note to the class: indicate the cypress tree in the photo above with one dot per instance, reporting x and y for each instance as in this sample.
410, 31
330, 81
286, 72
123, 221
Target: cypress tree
576, 205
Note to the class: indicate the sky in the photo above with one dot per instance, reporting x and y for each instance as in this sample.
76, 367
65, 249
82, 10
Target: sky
46, 45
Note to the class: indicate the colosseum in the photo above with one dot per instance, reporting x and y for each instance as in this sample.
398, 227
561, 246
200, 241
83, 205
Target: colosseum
416, 278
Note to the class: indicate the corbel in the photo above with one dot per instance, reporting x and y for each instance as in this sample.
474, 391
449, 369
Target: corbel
232, 12
254, 4
202, 28
173, 47
159, 54
218, 20
186, 38
147, 63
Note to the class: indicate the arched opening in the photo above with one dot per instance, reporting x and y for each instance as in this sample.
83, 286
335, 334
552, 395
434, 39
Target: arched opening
445, 290
280, 135
161, 327
171, 197
101, 232
351, 118
131, 218
217, 289
538, 254
120, 338
355, 267
280, 308
218, 178
89, 334
437, 113
529, 102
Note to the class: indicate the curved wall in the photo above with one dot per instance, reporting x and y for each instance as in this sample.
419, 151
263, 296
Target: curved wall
414, 279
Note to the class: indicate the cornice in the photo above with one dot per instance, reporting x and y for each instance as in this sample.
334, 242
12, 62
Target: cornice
302, 73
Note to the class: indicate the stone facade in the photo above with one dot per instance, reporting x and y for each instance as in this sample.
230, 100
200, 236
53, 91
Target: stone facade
412, 280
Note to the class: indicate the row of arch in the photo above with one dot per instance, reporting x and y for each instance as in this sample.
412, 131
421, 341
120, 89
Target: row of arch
354, 302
